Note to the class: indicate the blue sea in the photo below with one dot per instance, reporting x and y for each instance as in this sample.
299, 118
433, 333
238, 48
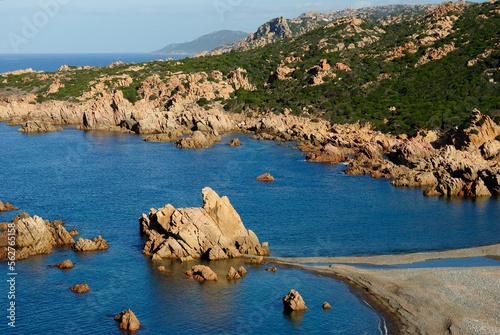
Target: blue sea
52, 62
100, 183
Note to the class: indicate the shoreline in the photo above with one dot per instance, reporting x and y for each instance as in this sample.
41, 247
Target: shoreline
454, 300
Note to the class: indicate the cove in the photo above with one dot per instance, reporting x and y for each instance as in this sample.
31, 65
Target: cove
100, 183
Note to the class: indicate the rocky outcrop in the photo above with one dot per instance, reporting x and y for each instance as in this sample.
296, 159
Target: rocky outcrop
38, 127
235, 142
482, 130
199, 140
411, 151
202, 273
265, 177
80, 288
7, 207
33, 237
214, 231
328, 154
67, 264
293, 302
98, 243
170, 136
128, 321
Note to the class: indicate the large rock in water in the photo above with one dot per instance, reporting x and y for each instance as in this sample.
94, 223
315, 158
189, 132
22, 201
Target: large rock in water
33, 237
293, 302
213, 232
199, 140
98, 243
128, 321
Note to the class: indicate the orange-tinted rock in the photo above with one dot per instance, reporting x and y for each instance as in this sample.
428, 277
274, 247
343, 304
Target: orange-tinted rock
128, 321
293, 301
265, 177
80, 288
67, 264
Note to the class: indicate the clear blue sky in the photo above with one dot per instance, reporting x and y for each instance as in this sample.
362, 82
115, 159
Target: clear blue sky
101, 26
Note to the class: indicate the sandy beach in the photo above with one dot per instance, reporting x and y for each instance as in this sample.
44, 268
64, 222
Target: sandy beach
422, 300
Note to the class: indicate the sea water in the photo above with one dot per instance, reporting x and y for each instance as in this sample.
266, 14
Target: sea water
100, 183
52, 62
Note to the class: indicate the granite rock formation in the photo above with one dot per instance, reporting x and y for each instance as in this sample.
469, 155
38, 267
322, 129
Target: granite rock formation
214, 231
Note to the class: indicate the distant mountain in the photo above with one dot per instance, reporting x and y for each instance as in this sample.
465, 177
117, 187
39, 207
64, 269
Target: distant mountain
203, 43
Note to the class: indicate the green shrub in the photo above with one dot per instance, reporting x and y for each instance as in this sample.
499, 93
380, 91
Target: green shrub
497, 138
480, 122
474, 131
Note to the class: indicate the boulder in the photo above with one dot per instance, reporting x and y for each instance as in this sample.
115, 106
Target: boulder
326, 306
161, 268
128, 321
293, 301
202, 273
7, 207
80, 288
265, 177
199, 140
328, 154
272, 269
233, 274
491, 150
242, 271
73, 232
235, 142
214, 231
98, 243
67, 264
410, 152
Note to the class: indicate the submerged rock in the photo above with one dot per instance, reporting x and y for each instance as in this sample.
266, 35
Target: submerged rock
128, 321
214, 231
293, 301
265, 177
202, 273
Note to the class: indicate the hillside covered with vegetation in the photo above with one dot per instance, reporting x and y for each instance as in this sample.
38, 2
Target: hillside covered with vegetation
401, 73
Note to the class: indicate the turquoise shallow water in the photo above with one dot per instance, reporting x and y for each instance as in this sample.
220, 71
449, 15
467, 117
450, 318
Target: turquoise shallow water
100, 183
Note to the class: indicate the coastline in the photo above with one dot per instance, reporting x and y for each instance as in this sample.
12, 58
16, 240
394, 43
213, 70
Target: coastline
453, 300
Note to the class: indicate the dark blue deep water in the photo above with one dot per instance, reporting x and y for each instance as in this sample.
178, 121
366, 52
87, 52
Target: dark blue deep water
52, 62
100, 183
